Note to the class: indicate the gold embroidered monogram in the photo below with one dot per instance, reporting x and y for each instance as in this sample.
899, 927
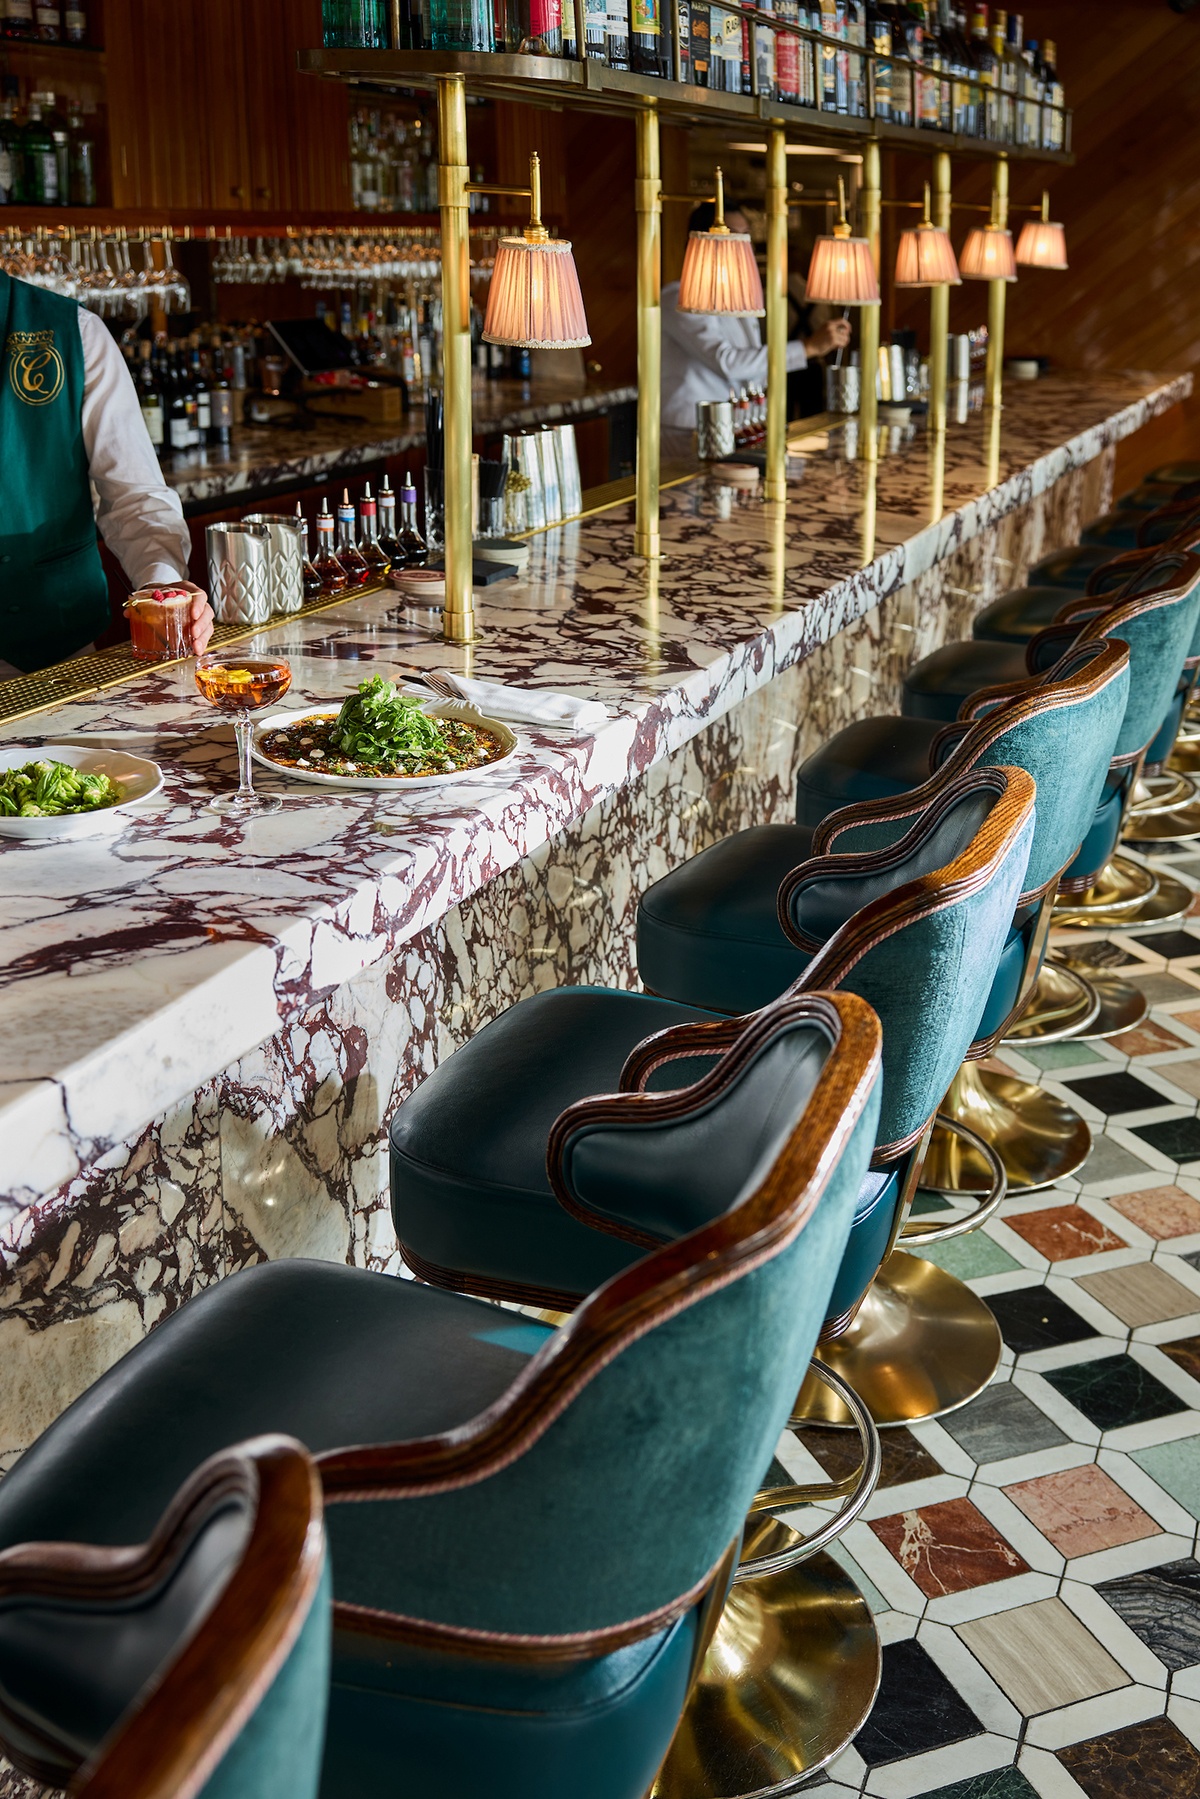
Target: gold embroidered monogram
35, 368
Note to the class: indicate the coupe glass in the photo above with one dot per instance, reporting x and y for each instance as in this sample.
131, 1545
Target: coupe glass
239, 682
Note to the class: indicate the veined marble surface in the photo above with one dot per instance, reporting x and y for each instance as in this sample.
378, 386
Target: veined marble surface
268, 456
139, 966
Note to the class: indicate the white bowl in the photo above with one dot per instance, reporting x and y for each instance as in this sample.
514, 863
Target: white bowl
136, 776
390, 783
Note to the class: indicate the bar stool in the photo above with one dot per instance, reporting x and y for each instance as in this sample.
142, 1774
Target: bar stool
1085, 568
531, 1530
1103, 890
1062, 728
194, 1663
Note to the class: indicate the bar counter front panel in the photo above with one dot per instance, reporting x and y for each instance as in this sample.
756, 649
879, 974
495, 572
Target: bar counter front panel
208, 1030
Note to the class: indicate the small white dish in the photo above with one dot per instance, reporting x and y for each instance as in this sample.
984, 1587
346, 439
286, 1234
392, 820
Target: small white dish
136, 776
388, 783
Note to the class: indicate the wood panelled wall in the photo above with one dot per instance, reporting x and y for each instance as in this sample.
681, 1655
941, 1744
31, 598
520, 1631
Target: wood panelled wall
1131, 205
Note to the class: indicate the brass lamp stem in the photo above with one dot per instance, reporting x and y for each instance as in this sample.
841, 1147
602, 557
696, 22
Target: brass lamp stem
535, 231
926, 216
718, 227
842, 228
1045, 206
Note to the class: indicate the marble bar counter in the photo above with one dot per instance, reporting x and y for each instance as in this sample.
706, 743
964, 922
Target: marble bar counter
207, 1029
270, 458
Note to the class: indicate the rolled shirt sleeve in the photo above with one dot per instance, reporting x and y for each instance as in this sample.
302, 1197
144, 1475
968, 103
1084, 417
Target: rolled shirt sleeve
140, 518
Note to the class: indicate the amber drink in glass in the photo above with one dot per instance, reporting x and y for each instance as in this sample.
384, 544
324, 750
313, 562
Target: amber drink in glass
240, 683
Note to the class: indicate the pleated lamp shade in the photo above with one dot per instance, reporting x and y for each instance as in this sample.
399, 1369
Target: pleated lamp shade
1042, 245
534, 302
988, 255
720, 274
842, 273
925, 258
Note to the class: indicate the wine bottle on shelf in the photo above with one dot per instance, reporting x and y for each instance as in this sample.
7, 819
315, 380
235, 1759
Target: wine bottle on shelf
880, 40
332, 575
834, 62
47, 22
787, 54
354, 24
645, 37
1054, 136
369, 547
987, 70
684, 13
12, 148
16, 19
595, 29
75, 23
348, 552
150, 398
538, 26
617, 33
700, 37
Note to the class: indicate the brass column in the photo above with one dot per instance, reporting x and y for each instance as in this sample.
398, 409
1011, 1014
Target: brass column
648, 202
997, 291
777, 315
453, 175
939, 306
868, 416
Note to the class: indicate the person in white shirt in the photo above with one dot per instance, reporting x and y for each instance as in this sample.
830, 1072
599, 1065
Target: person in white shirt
705, 355
75, 454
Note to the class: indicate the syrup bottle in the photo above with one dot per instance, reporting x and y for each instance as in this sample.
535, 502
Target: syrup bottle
358, 571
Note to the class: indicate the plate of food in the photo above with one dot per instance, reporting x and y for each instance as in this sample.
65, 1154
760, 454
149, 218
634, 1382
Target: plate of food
70, 789
384, 737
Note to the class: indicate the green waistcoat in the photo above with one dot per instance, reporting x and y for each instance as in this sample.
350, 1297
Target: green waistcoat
53, 590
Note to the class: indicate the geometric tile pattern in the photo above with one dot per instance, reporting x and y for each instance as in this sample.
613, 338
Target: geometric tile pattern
1033, 1558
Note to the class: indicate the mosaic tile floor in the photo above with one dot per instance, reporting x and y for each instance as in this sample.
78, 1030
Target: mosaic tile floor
1032, 1559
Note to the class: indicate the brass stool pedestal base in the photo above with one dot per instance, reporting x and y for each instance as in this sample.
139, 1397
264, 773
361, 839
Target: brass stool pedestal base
788, 1681
921, 1344
1039, 1139
1175, 826
1164, 899
1122, 1005
1062, 1005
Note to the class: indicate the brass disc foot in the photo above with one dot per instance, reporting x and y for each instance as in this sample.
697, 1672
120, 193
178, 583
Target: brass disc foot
1039, 1139
787, 1683
1122, 1005
1167, 791
1177, 825
920, 1344
1185, 757
1169, 901
1064, 1004
1120, 888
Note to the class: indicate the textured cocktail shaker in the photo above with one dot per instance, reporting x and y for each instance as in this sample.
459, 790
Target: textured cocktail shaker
286, 535
239, 561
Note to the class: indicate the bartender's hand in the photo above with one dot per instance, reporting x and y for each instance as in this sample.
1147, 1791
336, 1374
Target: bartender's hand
200, 618
834, 334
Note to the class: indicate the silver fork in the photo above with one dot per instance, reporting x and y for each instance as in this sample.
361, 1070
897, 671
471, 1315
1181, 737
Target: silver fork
436, 683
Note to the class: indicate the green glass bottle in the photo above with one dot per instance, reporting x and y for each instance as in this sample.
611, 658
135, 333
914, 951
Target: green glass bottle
40, 158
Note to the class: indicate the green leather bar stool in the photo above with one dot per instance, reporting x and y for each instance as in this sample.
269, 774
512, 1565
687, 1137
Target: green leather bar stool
1102, 889
1017, 616
1119, 529
531, 1530
195, 1663
1062, 728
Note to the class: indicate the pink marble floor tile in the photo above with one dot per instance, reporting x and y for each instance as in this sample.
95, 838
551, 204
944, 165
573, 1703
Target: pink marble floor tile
1146, 1039
1081, 1510
1062, 1232
949, 1547
1160, 1211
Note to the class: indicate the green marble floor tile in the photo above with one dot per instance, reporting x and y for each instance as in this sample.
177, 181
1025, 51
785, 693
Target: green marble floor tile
1000, 1783
1060, 1055
1176, 1468
971, 1257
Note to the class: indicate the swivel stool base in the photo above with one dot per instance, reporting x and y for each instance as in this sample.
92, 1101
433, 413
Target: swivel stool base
1039, 1138
920, 1344
788, 1681
1178, 824
1126, 895
1076, 1000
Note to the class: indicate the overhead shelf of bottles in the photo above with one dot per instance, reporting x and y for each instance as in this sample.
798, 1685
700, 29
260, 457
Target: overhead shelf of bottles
573, 81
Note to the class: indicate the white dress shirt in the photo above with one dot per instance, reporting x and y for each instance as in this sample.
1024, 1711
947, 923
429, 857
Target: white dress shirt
704, 355
140, 517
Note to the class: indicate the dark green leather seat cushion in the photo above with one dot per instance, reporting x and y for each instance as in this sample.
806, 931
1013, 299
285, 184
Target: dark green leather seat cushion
710, 929
1017, 616
1101, 841
1071, 568
470, 1190
335, 1356
1116, 531
936, 686
1164, 742
874, 758
874, 1216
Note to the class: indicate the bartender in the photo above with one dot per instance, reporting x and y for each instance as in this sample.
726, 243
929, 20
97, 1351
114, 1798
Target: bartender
704, 355
70, 429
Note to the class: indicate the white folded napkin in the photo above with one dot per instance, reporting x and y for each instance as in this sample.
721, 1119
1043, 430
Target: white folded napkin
523, 705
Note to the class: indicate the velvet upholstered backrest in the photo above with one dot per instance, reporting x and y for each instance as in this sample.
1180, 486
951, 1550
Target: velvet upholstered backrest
595, 1498
925, 922
1131, 574
195, 1666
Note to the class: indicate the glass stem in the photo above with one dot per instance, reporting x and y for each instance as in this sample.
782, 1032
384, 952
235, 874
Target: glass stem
245, 766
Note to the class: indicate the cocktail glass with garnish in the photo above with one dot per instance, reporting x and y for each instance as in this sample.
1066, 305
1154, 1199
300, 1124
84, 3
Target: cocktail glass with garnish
239, 682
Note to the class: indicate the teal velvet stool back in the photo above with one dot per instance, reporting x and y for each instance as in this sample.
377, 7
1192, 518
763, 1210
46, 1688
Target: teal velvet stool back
600, 1493
927, 918
194, 1665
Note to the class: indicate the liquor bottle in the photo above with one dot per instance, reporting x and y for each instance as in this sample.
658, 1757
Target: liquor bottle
538, 27
700, 38
765, 47
175, 400
348, 553
880, 40
39, 186
856, 66
725, 50
332, 575
906, 42
150, 399
645, 38
75, 23
370, 549
1013, 69
81, 159
12, 147
595, 29
413, 550
47, 21
1031, 95
354, 24
386, 537
310, 580
1004, 130
617, 33
16, 19
987, 71
1054, 135
220, 400
683, 12
787, 54
569, 49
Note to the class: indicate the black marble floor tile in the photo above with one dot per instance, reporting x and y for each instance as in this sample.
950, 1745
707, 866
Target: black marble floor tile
1000, 1783
1113, 1391
917, 1709
1102, 955
1036, 1318
1116, 1093
1193, 1258
1171, 944
839, 1451
1003, 1421
1178, 1138
1161, 1606
1144, 1761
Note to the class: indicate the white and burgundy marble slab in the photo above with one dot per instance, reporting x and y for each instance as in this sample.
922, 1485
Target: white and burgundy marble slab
135, 968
